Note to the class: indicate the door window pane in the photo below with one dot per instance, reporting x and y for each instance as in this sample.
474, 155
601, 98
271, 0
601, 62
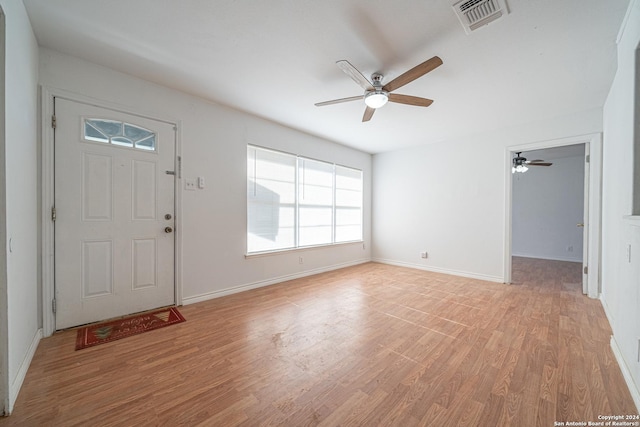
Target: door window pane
119, 133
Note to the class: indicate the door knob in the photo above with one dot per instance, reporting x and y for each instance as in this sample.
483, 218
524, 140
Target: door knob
168, 229
580, 225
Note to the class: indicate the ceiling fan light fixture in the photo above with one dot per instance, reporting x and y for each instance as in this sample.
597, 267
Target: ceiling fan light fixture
376, 94
376, 99
519, 163
519, 168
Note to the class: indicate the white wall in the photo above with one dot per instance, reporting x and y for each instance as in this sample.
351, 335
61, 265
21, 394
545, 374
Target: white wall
214, 140
448, 198
21, 192
620, 285
548, 202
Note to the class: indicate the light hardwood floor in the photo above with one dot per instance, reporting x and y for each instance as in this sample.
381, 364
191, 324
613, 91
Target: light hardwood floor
370, 345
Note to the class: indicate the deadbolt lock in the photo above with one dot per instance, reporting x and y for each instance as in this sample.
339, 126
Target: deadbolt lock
167, 216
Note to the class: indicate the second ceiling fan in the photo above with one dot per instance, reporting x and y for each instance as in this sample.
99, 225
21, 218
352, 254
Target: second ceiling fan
376, 95
520, 163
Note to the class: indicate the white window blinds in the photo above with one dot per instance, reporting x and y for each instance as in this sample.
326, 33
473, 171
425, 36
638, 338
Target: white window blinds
271, 200
315, 202
348, 205
296, 201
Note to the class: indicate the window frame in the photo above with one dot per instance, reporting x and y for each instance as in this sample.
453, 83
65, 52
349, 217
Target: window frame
297, 246
88, 121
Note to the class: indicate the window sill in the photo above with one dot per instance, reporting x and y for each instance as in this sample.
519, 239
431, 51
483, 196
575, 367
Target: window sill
301, 249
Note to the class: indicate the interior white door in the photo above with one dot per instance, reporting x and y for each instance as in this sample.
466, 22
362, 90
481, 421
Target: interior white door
114, 206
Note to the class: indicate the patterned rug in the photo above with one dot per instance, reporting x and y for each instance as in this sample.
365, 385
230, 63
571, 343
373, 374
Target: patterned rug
101, 333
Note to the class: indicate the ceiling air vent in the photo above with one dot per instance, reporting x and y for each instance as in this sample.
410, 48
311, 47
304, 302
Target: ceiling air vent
473, 14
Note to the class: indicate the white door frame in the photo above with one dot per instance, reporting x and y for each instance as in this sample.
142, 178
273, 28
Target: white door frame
48, 195
4, 312
593, 143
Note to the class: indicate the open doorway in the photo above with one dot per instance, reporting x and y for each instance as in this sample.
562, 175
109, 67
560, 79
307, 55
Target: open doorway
548, 215
592, 146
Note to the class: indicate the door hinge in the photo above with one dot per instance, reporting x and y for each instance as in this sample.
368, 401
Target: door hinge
587, 158
53, 121
585, 270
53, 305
53, 214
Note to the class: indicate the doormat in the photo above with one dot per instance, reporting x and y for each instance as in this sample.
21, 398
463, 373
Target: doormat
105, 332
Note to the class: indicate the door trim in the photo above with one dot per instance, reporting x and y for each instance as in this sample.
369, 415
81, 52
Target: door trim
594, 149
5, 401
48, 194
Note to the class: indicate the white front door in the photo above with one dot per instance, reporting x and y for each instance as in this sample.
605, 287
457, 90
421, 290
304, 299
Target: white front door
114, 207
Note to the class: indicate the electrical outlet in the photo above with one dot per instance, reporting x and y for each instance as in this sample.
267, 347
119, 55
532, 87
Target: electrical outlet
190, 184
569, 248
424, 254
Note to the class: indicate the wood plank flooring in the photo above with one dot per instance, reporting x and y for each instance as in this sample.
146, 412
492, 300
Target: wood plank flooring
370, 345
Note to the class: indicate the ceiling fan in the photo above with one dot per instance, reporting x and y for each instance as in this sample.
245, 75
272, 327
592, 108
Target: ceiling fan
376, 95
520, 163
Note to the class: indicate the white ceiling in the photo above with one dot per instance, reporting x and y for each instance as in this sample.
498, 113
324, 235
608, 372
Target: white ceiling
276, 58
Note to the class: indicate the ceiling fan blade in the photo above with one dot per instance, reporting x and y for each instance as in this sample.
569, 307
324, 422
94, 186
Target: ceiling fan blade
356, 75
539, 164
535, 161
338, 101
410, 100
368, 113
414, 73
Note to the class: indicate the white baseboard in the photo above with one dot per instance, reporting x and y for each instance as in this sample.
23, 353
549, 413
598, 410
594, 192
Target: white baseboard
16, 385
236, 289
633, 388
550, 258
440, 270
628, 379
607, 313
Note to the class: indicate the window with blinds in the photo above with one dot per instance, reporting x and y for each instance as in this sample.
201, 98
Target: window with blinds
315, 202
348, 204
295, 202
271, 200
